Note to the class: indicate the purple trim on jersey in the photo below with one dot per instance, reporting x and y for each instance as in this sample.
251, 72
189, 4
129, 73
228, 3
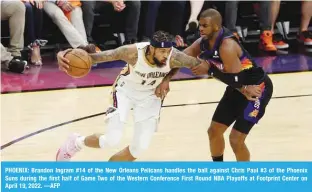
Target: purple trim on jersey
115, 101
243, 56
209, 52
226, 37
218, 41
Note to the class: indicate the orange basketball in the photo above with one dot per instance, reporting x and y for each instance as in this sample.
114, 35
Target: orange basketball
79, 63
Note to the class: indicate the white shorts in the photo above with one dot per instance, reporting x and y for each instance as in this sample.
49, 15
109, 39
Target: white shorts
145, 105
146, 111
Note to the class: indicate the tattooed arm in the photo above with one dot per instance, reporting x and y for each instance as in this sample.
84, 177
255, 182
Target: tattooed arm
126, 53
179, 60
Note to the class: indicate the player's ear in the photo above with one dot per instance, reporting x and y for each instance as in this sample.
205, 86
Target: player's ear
151, 49
216, 27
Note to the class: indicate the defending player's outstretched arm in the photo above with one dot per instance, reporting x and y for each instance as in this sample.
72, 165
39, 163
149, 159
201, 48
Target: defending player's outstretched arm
127, 53
233, 75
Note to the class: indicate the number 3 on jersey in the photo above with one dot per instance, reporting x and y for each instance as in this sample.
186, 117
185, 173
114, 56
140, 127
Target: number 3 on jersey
151, 83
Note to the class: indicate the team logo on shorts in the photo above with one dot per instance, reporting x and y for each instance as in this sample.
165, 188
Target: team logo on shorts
254, 113
251, 111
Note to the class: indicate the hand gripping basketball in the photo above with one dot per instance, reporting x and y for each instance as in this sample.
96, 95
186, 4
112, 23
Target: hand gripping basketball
75, 62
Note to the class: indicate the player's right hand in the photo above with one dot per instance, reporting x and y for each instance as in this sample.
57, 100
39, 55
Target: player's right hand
252, 92
162, 89
63, 63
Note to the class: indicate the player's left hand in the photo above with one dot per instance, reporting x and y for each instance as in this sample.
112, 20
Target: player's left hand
62, 62
201, 69
162, 89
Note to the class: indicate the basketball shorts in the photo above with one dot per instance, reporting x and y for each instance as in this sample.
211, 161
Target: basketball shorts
145, 105
234, 107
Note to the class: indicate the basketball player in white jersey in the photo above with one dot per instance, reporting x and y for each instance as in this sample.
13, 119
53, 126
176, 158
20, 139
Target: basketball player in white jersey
147, 65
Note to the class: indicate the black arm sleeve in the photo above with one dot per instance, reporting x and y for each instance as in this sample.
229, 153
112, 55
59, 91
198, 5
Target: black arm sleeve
252, 76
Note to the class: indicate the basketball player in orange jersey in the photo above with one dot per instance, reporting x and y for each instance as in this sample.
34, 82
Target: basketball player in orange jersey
225, 55
147, 64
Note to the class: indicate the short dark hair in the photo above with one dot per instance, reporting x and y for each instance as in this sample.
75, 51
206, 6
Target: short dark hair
161, 36
214, 14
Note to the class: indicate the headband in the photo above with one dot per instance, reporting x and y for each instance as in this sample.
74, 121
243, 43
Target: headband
163, 44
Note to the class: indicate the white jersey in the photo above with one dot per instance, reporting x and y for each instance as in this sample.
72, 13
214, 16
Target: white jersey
143, 76
135, 87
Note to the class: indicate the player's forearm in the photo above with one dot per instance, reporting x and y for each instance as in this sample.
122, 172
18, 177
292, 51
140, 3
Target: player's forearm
104, 56
180, 59
193, 61
232, 79
251, 76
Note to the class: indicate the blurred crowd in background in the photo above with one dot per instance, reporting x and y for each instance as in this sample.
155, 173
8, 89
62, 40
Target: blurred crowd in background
31, 26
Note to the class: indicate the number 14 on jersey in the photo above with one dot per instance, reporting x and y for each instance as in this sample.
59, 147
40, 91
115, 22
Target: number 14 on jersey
151, 83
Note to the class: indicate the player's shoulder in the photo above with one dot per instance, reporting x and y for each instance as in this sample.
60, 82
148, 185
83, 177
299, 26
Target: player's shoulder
141, 45
127, 50
230, 47
128, 53
228, 44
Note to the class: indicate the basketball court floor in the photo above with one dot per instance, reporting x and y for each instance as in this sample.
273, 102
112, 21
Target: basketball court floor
35, 123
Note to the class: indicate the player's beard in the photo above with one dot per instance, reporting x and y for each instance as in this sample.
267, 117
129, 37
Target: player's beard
158, 63
210, 36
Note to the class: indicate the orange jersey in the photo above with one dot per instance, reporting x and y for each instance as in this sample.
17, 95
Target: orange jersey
74, 3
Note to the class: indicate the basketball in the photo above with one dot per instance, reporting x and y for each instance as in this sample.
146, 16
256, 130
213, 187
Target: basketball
79, 63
